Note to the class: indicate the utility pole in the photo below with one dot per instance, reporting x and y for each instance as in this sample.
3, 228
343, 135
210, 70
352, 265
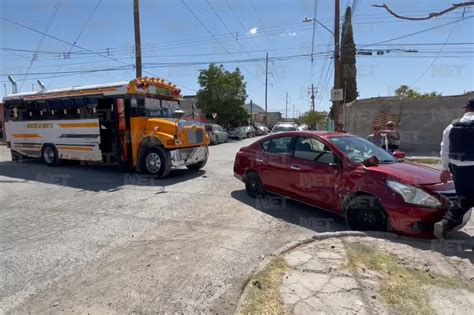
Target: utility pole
293, 112
312, 98
337, 62
251, 105
286, 107
266, 89
138, 45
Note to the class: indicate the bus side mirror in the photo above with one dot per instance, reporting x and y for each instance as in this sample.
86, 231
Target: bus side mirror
179, 113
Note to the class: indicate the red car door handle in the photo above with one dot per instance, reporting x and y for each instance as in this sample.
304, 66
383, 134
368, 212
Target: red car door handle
295, 167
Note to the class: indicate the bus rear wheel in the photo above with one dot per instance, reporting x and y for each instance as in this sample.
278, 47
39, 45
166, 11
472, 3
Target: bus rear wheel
156, 161
50, 155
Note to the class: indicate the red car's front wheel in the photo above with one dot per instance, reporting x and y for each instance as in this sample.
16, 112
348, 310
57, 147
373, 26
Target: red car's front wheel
364, 213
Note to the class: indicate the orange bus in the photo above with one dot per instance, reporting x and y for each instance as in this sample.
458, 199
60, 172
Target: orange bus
138, 124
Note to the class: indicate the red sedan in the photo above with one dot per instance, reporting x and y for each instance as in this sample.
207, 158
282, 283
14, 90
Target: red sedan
347, 175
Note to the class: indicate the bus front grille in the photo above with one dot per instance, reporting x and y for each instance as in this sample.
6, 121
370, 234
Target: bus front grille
199, 136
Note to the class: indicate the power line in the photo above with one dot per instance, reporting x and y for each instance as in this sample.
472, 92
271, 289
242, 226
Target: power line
436, 57
78, 36
80, 47
418, 32
209, 31
46, 30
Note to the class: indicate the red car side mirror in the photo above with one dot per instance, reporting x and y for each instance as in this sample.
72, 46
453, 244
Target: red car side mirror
399, 154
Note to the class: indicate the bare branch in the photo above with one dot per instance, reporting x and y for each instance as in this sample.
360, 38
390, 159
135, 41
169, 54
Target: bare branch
430, 15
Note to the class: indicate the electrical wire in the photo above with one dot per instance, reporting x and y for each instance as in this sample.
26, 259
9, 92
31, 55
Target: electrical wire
46, 30
78, 36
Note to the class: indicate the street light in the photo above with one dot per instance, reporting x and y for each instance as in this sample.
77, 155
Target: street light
309, 20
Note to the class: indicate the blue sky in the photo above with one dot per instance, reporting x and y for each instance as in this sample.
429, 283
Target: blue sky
176, 45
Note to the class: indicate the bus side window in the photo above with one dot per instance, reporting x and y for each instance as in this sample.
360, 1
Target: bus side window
79, 107
54, 109
92, 107
66, 108
42, 107
137, 106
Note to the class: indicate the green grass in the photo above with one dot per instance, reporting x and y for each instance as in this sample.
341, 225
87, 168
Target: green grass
404, 289
263, 292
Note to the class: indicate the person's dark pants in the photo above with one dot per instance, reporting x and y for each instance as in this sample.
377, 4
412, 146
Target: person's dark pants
463, 177
393, 147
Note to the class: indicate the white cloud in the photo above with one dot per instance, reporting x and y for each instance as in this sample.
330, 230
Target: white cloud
291, 34
253, 31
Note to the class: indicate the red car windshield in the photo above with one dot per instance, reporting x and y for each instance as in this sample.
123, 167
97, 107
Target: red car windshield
359, 150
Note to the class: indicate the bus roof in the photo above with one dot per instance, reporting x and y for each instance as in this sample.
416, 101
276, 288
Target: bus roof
138, 86
65, 90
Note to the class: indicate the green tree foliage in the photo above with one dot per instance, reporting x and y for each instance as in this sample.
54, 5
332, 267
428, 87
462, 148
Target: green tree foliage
223, 93
348, 59
312, 118
407, 92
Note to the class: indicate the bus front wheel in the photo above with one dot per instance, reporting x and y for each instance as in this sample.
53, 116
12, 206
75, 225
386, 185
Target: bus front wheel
50, 155
156, 161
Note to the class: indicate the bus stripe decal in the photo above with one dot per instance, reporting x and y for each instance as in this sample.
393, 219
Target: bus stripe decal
79, 135
66, 148
79, 125
26, 135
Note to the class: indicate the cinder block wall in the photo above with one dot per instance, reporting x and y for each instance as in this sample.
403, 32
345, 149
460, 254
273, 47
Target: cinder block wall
421, 121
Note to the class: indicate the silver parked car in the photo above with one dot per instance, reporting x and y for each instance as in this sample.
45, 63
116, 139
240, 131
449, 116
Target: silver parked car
217, 134
238, 133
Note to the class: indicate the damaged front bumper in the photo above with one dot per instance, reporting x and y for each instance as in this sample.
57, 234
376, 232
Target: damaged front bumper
188, 156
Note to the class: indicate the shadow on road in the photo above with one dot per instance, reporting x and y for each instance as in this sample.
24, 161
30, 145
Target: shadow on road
88, 177
458, 244
294, 212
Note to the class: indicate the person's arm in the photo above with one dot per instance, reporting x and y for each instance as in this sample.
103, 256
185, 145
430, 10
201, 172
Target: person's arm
444, 153
445, 175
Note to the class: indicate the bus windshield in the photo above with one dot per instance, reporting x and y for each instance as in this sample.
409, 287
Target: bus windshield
152, 107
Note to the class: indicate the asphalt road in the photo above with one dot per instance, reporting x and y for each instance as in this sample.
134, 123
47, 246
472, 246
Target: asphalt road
92, 239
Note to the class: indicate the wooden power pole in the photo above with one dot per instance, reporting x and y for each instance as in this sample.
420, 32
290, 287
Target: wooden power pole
286, 107
266, 89
138, 44
337, 62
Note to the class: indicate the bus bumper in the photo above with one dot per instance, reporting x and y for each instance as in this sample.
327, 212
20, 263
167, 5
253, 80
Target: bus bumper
182, 157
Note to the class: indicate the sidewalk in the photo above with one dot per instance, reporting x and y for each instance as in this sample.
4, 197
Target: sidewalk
361, 275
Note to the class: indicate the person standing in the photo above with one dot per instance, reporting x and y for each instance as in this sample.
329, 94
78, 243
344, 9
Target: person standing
457, 158
375, 137
340, 128
393, 136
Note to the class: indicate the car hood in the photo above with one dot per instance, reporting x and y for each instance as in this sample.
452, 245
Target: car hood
409, 173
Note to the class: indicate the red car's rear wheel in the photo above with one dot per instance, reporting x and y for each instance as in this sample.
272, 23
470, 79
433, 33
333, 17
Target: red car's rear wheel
253, 185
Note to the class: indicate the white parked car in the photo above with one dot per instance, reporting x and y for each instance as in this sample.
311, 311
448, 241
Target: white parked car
217, 134
284, 126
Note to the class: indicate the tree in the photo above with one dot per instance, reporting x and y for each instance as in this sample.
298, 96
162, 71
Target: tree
222, 93
430, 15
312, 118
407, 92
348, 59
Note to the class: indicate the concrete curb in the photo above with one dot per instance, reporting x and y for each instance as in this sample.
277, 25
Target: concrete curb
289, 247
